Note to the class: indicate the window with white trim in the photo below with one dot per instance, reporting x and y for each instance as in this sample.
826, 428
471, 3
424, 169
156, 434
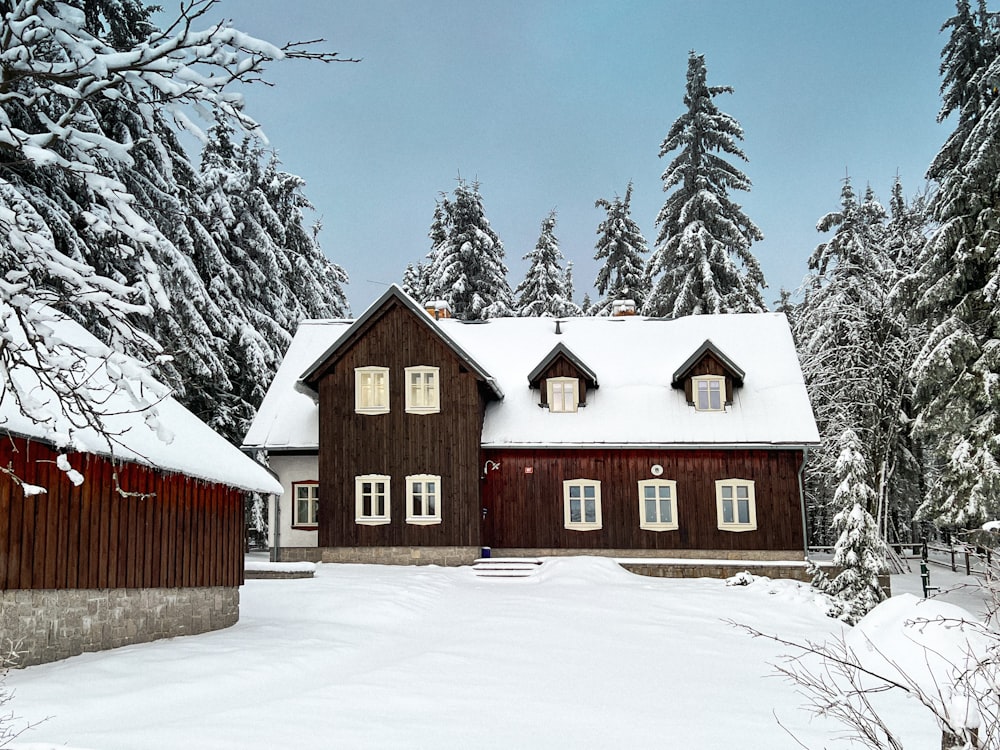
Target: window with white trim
423, 499
582, 504
563, 394
658, 504
423, 394
736, 504
708, 392
371, 390
371, 499
306, 504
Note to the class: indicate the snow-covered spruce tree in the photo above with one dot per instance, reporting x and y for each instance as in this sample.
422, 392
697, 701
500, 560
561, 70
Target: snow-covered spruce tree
854, 344
544, 293
91, 211
958, 368
621, 246
860, 549
269, 271
702, 262
468, 269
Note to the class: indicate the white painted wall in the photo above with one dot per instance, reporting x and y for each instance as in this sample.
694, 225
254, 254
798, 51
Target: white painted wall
291, 469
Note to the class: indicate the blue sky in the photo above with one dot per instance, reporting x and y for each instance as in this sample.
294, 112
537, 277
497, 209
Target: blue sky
552, 105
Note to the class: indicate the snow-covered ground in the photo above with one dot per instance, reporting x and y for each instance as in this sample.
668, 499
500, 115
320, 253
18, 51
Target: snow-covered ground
581, 655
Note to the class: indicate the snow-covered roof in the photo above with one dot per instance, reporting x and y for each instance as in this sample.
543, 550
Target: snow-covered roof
633, 359
288, 417
177, 442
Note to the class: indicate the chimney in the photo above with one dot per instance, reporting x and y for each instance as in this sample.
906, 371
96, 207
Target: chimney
622, 307
437, 309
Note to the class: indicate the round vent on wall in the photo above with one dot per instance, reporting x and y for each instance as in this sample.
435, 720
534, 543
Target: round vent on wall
656, 470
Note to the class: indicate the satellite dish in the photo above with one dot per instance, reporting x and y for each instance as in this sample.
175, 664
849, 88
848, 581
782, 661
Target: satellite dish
656, 470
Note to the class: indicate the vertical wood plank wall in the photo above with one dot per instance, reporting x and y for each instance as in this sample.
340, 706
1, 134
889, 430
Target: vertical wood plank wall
524, 498
398, 444
186, 533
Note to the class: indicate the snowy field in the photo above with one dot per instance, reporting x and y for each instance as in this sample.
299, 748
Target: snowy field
582, 655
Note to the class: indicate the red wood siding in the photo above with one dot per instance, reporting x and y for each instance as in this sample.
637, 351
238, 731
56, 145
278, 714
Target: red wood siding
398, 444
186, 533
526, 509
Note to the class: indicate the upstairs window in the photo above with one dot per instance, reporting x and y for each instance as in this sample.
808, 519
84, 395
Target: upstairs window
423, 499
582, 504
371, 499
658, 504
304, 511
709, 392
563, 394
422, 390
371, 390
736, 504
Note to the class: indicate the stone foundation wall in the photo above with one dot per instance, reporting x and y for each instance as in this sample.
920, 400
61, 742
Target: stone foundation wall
381, 555
297, 554
45, 625
796, 573
703, 554
402, 555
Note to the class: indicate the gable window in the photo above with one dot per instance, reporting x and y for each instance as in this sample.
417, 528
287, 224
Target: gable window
422, 390
582, 504
371, 499
371, 390
736, 504
658, 504
304, 510
563, 394
423, 499
709, 392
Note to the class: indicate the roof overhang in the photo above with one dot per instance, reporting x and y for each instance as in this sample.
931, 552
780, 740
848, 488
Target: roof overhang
682, 372
308, 380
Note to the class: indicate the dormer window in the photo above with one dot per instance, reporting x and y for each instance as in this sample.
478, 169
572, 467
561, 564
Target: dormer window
563, 394
709, 392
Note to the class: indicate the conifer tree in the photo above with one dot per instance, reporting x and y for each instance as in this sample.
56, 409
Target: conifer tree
959, 365
102, 212
467, 267
860, 550
621, 246
543, 293
702, 262
854, 343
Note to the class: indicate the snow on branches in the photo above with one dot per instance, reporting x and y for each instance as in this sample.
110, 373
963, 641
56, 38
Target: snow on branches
92, 212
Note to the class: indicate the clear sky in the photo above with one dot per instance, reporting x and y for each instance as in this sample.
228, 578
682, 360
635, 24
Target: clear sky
554, 104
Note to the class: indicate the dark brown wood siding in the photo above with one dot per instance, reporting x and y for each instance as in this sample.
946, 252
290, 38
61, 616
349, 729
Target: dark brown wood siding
524, 498
185, 532
709, 365
398, 444
561, 367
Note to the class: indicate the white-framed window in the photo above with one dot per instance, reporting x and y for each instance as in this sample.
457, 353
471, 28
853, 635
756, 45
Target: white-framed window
371, 390
658, 504
423, 499
582, 504
423, 390
371, 499
709, 392
305, 504
736, 504
563, 394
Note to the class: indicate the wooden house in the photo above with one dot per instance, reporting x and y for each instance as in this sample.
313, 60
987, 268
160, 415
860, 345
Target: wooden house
401, 437
97, 553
